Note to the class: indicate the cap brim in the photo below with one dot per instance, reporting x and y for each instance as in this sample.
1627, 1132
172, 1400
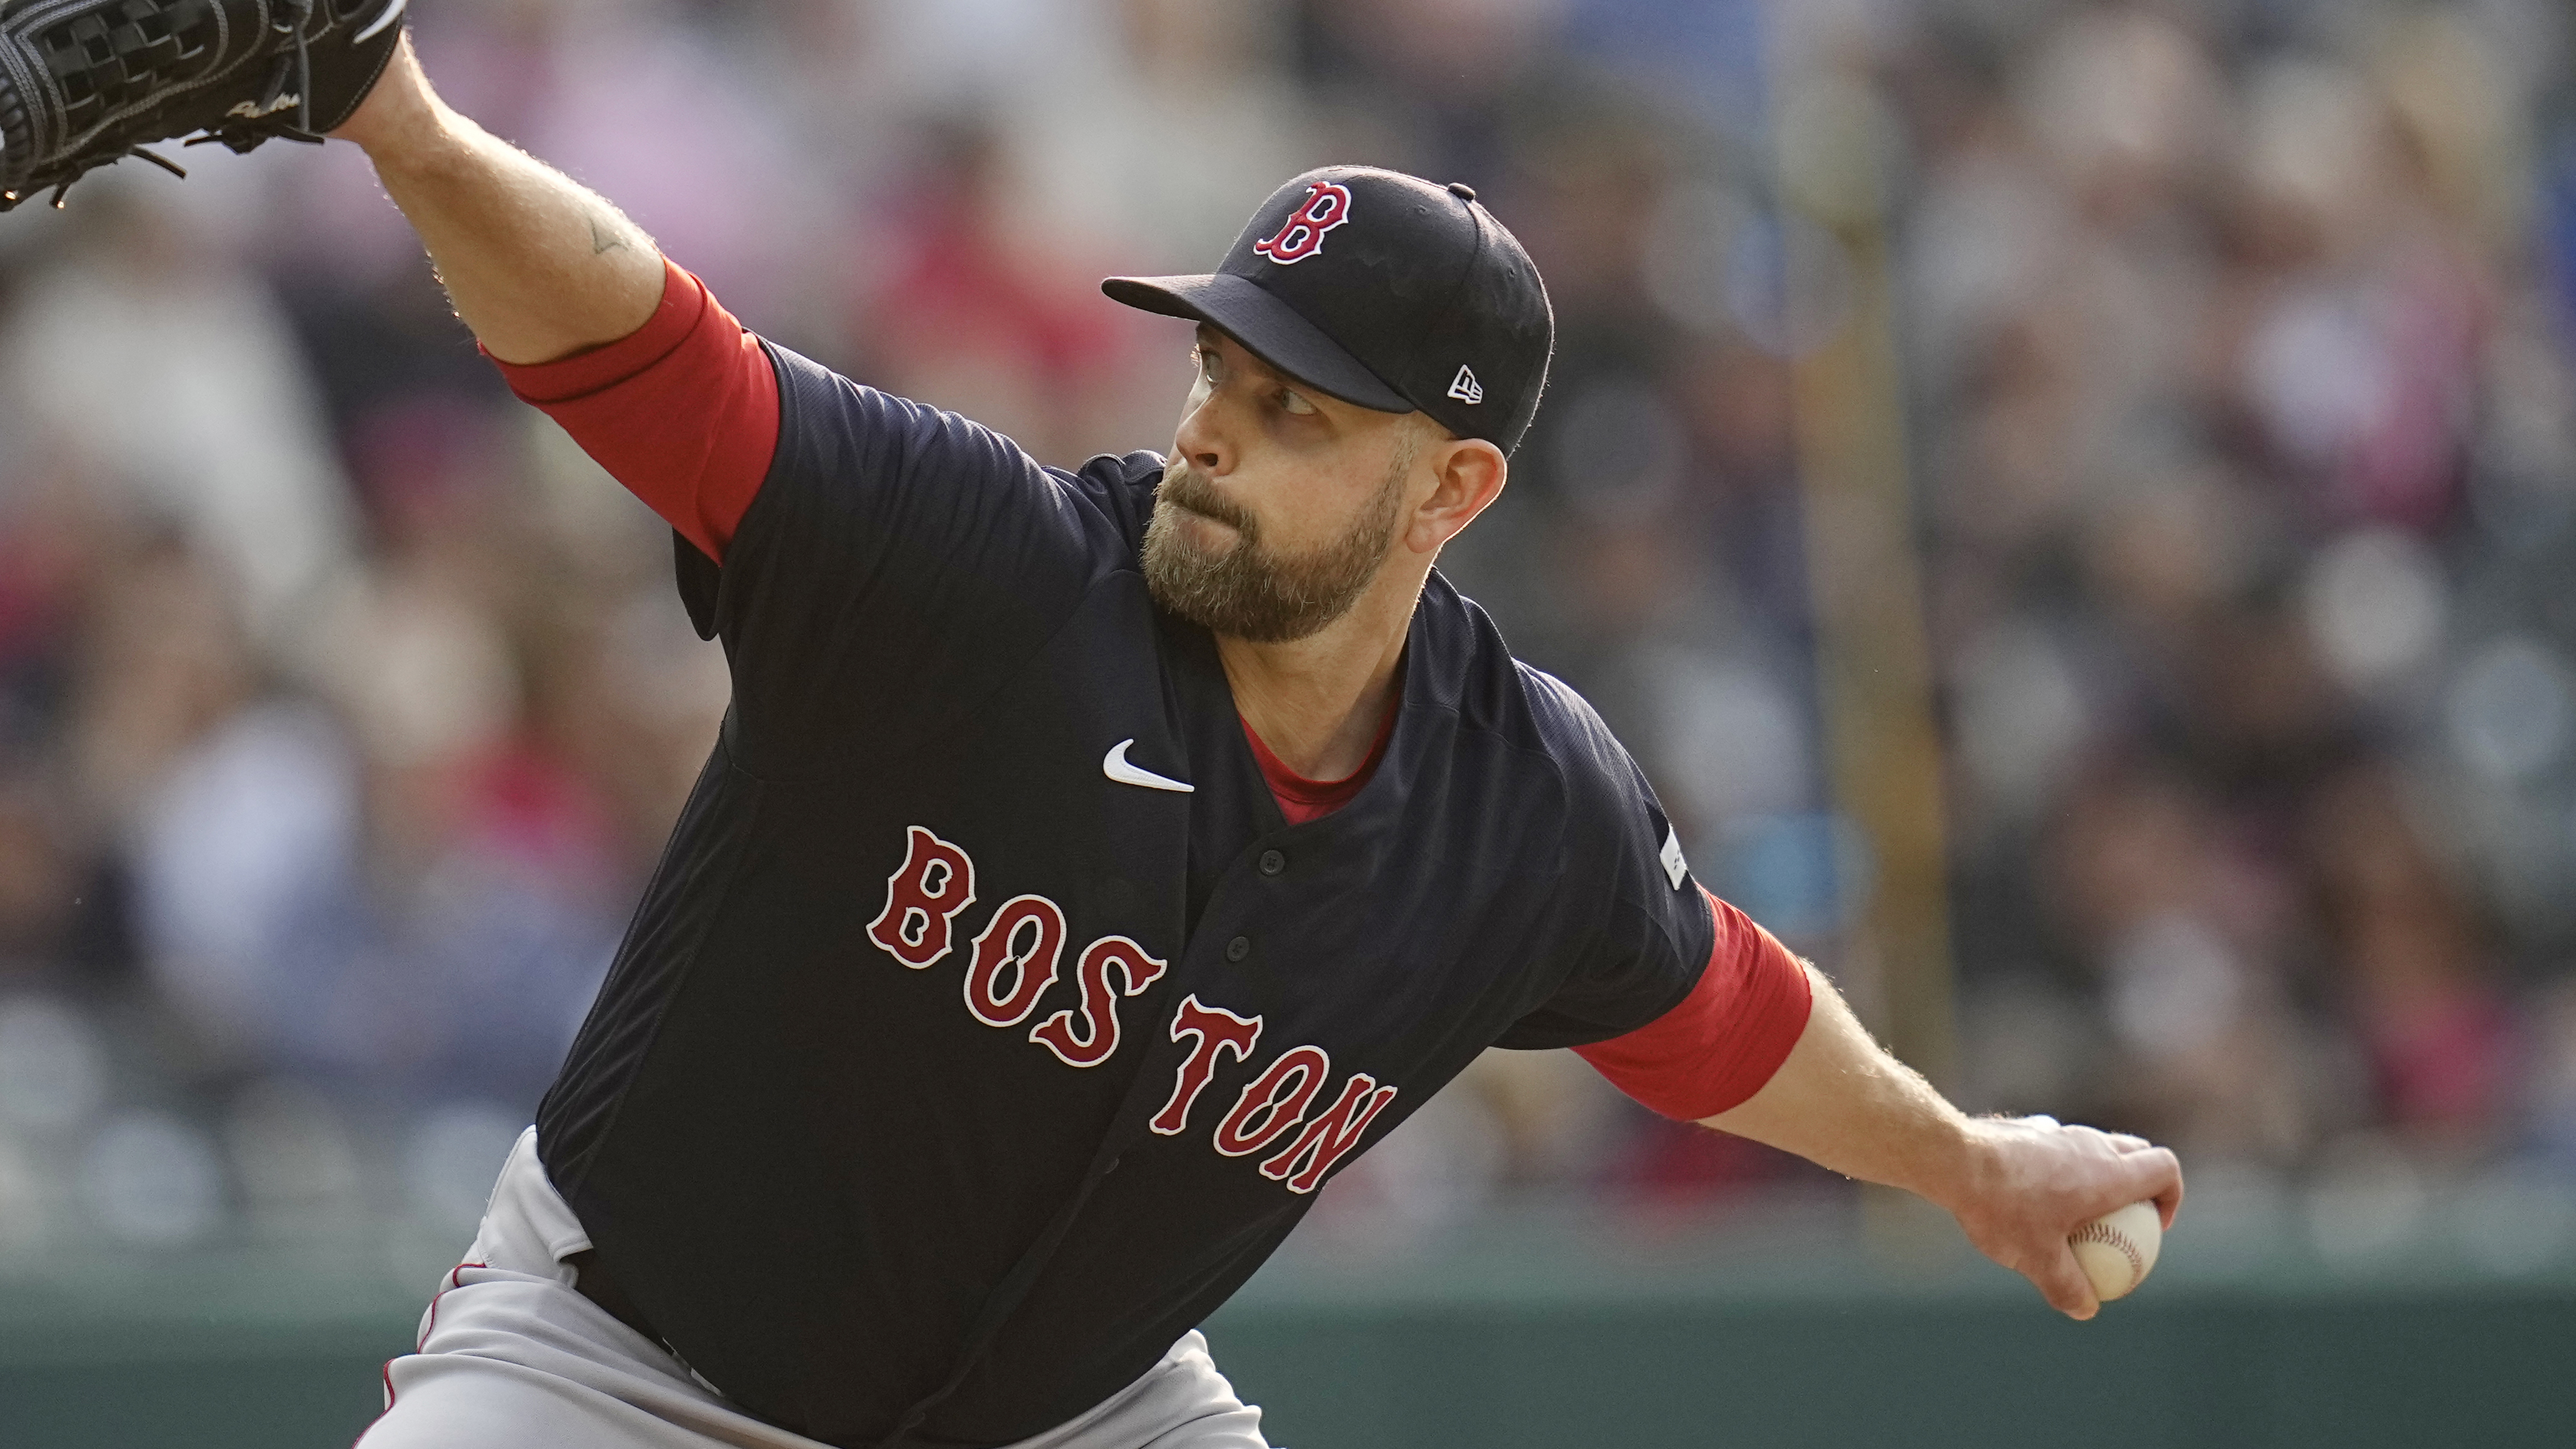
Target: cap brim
1270, 328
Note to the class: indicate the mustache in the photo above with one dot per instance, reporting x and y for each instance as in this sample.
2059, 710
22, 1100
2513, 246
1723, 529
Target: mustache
1183, 488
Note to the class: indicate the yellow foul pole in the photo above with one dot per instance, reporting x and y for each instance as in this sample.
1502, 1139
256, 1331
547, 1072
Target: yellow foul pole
1882, 743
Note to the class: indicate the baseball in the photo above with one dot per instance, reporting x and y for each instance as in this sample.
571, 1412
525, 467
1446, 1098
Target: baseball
2118, 1249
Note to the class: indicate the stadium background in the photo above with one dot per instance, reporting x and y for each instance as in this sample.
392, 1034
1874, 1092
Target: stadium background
2072, 504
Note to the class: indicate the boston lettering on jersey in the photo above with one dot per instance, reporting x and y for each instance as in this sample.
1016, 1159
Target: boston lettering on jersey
946, 1076
1014, 960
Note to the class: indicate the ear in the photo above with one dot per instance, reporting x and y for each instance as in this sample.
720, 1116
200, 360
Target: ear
1467, 474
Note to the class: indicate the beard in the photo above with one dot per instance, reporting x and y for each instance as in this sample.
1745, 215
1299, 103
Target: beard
1251, 591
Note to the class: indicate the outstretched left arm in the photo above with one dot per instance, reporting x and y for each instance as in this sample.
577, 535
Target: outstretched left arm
2018, 1186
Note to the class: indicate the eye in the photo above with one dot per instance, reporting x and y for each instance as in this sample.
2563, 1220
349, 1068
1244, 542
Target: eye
1204, 359
1294, 404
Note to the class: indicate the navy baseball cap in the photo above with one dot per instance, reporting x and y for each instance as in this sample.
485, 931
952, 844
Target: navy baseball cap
1384, 290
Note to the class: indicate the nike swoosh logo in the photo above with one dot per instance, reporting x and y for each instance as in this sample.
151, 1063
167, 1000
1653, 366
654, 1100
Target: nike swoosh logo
1115, 766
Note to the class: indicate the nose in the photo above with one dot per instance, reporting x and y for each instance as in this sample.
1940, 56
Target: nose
1202, 437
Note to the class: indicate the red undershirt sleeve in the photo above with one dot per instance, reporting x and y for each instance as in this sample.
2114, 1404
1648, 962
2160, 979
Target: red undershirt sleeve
684, 411
1724, 1040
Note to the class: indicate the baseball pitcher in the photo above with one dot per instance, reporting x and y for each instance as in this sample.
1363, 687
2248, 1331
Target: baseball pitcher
1090, 863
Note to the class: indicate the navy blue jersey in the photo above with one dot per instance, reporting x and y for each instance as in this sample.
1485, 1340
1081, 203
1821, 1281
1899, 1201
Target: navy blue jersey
985, 1024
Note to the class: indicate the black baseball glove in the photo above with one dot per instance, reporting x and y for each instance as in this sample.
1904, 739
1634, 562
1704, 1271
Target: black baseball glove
84, 83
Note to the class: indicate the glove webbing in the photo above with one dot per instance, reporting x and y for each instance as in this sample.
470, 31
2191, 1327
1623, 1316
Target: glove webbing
127, 51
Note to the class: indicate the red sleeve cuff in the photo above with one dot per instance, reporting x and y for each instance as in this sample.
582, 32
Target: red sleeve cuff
1723, 1041
684, 302
684, 411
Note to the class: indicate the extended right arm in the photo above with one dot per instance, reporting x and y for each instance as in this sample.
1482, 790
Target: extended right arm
901, 542
539, 267
628, 352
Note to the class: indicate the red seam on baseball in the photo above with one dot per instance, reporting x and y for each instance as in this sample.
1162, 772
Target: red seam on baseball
2099, 1233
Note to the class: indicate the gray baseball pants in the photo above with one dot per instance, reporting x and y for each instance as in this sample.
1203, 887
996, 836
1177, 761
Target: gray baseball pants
512, 1356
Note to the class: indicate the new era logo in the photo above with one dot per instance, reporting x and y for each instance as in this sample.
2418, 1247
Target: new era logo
1465, 388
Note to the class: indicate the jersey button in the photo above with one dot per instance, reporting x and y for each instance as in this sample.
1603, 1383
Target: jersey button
1272, 862
1238, 948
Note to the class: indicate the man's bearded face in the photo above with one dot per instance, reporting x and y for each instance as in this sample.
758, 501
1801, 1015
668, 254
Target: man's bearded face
1248, 590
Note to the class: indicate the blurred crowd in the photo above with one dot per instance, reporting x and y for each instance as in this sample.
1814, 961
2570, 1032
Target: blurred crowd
344, 704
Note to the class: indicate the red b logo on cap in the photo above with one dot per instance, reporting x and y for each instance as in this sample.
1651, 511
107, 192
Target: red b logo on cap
1327, 206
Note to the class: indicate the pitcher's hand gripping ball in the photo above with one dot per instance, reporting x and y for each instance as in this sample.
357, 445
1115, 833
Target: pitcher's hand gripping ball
2118, 1249
84, 83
